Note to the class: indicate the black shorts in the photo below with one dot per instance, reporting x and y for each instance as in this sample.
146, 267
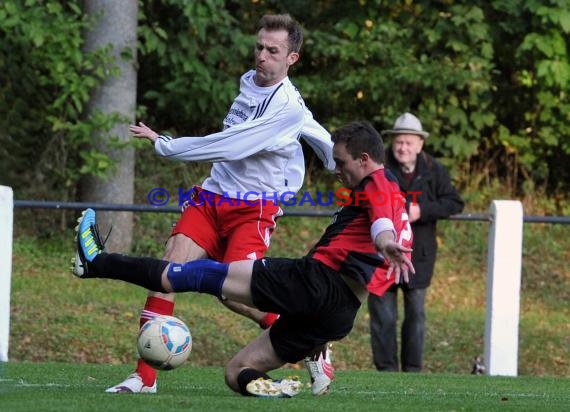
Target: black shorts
315, 304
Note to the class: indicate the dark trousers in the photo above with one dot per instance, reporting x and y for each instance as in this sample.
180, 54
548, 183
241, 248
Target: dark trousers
383, 329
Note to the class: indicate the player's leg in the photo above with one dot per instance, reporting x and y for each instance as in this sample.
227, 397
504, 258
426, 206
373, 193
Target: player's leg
179, 248
247, 230
193, 232
413, 330
223, 280
263, 319
383, 312
201, 275
320, 368
301, 290
207, 276
89, 247
232, 281
246, 372
317, 306
194, 223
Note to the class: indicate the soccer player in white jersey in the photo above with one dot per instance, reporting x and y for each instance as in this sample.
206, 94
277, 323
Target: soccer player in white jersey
257, 160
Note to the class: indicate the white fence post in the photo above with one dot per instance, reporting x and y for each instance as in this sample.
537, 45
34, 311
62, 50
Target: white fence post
503, 288
6, 227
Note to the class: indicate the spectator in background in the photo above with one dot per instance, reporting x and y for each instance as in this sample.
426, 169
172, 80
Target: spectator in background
430, 196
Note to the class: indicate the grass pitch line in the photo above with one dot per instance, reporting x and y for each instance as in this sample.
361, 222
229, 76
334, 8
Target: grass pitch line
439, 393
21, 383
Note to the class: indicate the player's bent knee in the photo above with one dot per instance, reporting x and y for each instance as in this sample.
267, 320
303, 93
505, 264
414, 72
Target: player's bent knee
203, 275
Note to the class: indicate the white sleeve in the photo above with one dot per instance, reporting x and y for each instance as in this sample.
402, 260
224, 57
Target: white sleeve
381, 225
319, 139
276, 127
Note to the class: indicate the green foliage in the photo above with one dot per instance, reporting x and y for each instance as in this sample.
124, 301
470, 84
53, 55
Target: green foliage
46, 81
532, 84
489, 79
192, 56
435, 64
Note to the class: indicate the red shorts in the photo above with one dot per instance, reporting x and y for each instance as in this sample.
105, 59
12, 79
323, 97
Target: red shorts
228, 229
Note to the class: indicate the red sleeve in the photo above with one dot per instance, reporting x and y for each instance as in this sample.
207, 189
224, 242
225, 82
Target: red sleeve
378, 199
374, 199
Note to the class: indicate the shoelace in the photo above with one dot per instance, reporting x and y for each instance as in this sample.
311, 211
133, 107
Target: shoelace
97, 236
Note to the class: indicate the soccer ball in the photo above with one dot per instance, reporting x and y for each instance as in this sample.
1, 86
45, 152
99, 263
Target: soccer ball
164, 342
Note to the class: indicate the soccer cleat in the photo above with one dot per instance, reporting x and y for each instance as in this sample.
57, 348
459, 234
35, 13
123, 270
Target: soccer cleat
89, 243
268, 388
321, 371
133, 384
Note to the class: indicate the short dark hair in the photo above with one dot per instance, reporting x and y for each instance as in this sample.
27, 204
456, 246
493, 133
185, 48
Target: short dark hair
360, 137
273, 22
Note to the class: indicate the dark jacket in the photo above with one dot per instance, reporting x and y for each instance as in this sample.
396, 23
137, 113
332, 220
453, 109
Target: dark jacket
437, 199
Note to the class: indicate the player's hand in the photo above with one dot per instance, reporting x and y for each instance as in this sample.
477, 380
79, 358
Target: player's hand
398, 263
143, 131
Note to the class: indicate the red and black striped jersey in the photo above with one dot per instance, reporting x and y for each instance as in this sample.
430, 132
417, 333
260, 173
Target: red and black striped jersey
347, 245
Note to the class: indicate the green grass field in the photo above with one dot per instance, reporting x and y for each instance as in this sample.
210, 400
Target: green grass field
63, 387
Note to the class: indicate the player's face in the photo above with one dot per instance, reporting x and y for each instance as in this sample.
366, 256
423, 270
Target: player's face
272, 57
349, 170
406, 148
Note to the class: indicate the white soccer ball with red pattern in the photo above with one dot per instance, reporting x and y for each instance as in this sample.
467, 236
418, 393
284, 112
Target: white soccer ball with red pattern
164, 342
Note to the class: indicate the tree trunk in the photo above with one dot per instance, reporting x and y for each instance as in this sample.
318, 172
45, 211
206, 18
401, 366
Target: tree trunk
116, 24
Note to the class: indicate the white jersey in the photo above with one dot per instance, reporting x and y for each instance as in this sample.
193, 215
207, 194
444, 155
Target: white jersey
258, 152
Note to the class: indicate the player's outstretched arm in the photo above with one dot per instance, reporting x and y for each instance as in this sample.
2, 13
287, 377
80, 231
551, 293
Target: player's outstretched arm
398, 262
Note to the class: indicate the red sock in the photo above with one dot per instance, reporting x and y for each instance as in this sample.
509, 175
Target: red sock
154, 306
268, 320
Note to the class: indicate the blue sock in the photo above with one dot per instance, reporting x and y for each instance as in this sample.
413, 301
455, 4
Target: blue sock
202, 275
